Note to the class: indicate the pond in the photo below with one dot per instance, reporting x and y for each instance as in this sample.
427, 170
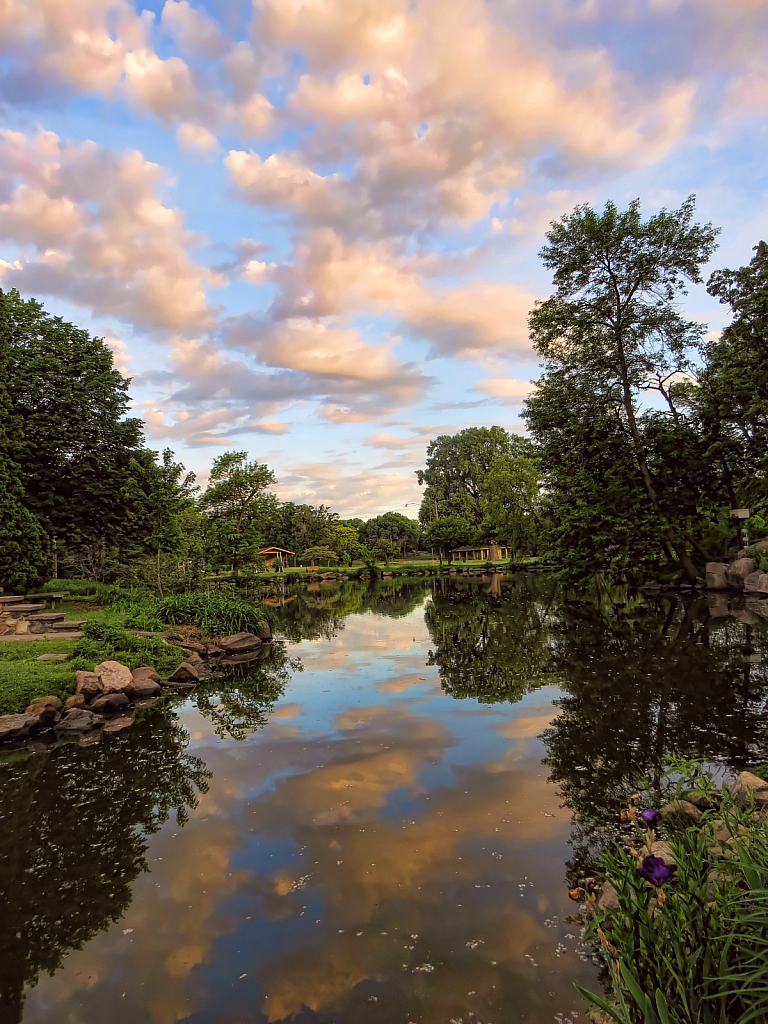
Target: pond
379, 823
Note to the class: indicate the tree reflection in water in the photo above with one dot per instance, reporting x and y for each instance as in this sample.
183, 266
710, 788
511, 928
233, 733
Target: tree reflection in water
74, 824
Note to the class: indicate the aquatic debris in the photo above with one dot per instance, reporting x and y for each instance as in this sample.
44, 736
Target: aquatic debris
424, 969
300, 883
474, 943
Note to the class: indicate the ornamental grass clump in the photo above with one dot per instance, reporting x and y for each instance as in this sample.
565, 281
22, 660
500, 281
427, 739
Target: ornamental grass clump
213, 612
687, 941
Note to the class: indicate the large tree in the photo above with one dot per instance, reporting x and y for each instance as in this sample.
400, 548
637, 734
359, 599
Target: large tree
78, 442
238, 503
613, 318
22, 539
457, 466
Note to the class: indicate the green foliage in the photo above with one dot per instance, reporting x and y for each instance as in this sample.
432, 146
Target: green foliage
611, 331
446, 533
213, 612
398, 530
456, 468
698, 954
105, 642
22, 541
319, 556
236, 503
512, 502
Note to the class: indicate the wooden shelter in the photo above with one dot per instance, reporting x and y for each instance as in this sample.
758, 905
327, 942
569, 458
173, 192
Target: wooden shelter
273, 554
491, 552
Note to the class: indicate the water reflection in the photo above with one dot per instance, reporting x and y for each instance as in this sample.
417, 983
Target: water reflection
74, 830
368, 848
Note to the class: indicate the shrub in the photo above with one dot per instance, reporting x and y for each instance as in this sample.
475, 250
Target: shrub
104, 642
213, 612
695, 950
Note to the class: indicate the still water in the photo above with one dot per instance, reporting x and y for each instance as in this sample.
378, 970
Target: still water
379, 823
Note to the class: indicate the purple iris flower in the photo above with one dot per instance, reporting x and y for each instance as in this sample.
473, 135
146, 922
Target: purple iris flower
656, 871
650, 817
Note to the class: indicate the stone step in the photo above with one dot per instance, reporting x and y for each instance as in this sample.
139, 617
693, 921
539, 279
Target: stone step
23, 607
62, 635
69, 624
46, 617
11, 598
48, 597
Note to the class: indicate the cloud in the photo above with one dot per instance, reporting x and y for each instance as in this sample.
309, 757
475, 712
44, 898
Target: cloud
506, 388
90, 227
195, 138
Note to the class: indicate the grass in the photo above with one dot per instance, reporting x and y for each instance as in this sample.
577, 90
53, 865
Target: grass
105, 642
22, 677
213, 612
694, 951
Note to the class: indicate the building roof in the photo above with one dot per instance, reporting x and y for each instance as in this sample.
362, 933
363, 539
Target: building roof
274, 550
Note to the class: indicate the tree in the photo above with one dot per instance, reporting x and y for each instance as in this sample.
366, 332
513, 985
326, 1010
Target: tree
403, 532
731, 399
613, 314
22, 553
512, 500
343, 540
387, 549
77, 442
319, 555
234, 499
457, 466
446, 533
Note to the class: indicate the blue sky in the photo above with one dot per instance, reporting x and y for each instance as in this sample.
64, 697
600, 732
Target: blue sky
309, 227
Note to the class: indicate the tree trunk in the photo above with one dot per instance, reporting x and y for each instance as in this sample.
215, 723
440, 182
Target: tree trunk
159, 581
54, 559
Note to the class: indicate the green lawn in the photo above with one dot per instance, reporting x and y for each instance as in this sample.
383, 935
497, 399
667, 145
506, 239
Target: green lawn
22, 677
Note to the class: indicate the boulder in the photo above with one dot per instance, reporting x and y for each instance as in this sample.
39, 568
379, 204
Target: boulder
89, 738
115, 678
78, 720
146, 683
78, 701
608, 898
89, 684
191, 645
738, 571
661, 848
756, 583
214, 651
757, 605
239, 643
682, 810
264, 631
716, 576
119, 722
700, 799
185, 673
17, 727
110, 702
194, 659
242, 659
47, 710
747, 787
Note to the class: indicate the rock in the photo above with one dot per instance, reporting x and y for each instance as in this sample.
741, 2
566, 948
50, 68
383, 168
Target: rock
746, 787
47, 710
146, 682
716, 578
608, 897
757, 605
194, 659
110, 702
52, 657
239, 643
241, 659
681, 809
191, 645
148, 702
119, 722
214, 651
78, 720
89, 684
78, 701
756, 583
719, 605
661, 848
738, 571
264, 630
115, 678
700, 799
90, 738
145, 689
185, 673
17, 727
145, 674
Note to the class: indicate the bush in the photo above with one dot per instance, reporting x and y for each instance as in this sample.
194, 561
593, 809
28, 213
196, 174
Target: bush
695, 950
104, 642
213, 612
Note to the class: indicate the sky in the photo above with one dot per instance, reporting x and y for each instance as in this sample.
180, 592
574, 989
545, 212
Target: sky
308, 229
